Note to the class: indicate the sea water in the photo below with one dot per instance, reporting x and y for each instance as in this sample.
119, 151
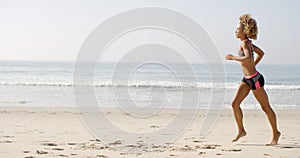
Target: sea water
154, 85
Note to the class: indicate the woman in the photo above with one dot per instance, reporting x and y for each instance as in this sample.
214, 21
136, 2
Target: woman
252, 80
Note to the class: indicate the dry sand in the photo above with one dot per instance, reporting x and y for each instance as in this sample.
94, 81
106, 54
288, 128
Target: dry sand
59, 132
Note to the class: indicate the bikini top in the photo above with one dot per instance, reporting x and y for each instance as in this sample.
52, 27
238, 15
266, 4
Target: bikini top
241, 53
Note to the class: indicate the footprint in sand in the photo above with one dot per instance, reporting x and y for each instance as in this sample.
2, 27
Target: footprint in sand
117, 142
58, 149
94, 146
198, 141
131, 146
96, 140
232, 150
123, 153
201, 152
71, 143
186, 148
41, 152
287, 146
208, 146
154, 126
49, 144
6, 141
8, 136
101, 156
62, 155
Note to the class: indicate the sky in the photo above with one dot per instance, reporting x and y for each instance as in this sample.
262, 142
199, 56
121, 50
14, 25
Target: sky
54, 30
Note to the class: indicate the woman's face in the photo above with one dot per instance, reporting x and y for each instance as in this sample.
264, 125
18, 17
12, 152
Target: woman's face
239, 33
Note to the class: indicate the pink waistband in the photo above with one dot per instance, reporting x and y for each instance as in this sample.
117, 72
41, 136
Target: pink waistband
252, 75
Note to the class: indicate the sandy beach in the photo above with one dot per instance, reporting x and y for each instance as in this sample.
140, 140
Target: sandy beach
59, 132
149, 79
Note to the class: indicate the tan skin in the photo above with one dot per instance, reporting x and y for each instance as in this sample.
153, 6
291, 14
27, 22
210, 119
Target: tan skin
248, 67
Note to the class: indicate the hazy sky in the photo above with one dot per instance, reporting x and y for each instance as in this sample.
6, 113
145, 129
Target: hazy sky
55, 29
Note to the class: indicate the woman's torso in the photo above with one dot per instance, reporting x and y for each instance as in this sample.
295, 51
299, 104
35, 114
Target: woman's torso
248, 66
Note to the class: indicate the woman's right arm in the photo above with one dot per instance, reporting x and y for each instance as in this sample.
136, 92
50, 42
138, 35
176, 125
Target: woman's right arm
259, 53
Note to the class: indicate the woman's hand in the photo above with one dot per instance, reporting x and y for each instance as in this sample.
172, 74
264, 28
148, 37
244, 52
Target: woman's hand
229, 57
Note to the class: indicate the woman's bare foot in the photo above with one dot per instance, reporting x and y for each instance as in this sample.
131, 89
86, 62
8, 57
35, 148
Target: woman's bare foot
240, 135
275, 138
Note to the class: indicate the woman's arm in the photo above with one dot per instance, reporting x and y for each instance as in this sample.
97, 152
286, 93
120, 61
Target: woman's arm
243, 58
259, 53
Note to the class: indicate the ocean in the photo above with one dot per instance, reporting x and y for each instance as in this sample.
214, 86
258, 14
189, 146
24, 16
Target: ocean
50, 84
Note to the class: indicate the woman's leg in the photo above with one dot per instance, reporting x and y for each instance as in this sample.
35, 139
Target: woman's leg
262, 97
241, 93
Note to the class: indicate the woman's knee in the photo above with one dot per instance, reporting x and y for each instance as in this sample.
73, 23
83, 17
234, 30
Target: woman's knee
235, 104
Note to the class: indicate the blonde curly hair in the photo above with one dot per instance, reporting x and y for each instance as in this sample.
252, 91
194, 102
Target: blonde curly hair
249, 25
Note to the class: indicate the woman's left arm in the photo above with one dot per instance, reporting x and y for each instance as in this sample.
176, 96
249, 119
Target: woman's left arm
259, 53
